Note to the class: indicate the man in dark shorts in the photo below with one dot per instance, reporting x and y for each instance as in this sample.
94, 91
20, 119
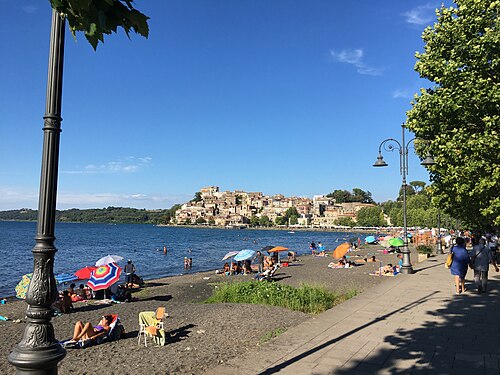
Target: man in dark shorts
129, 272
260, 260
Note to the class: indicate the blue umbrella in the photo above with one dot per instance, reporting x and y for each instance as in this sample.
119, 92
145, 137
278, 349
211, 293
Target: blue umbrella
370, 239
244, 255
65, 278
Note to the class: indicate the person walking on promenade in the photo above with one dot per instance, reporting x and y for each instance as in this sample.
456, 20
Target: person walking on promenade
260, 261
481, 258
460, 263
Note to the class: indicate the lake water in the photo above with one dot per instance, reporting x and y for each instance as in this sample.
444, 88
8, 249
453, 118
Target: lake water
81, 244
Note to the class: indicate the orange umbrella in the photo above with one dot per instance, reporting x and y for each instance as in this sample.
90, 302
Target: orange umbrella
277, 249
341, 250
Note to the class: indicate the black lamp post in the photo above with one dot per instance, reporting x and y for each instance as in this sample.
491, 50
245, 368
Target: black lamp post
391, 144
39, 352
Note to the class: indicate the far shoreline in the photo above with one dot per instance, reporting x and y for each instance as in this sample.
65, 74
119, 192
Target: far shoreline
288, 229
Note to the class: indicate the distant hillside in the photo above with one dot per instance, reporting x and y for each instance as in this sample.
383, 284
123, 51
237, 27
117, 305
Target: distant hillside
97, 215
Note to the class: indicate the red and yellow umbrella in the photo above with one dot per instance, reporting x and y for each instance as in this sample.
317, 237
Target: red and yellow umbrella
104, 276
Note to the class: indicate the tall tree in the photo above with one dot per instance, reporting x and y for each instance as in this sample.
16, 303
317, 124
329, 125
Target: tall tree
340, 196
359, 195
459, 116
418, 186
370, 217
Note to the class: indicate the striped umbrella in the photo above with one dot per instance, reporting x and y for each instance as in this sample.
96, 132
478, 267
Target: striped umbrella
244, 255
104, 276
230, 254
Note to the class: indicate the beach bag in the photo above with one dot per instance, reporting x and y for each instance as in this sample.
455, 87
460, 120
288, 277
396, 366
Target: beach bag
449, 260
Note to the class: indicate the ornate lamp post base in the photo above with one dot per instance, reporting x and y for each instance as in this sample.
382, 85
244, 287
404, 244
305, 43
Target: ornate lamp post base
25, 360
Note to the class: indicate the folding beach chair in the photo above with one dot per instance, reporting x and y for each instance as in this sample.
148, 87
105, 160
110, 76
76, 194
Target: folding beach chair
151, 324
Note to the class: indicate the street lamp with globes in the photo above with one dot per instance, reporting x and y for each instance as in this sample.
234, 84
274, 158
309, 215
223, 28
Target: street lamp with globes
391, 144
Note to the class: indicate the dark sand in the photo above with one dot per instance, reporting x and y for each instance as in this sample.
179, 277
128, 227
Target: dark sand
201, 335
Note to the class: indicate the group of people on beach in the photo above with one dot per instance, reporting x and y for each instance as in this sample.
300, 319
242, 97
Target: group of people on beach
64, 303
479, 259
261, 261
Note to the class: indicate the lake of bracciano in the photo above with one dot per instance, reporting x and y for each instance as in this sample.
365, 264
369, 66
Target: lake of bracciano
82, 244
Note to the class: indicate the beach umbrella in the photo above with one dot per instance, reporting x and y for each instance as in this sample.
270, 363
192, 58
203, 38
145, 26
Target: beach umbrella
230, 255
277, 249
341, 250
370, 239
396, 242
108, 259
384, 243
85, 272
22, 286
244, 255
104, 276
65, 278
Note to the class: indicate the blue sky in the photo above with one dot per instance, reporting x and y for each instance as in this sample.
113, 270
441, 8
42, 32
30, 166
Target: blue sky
280, 96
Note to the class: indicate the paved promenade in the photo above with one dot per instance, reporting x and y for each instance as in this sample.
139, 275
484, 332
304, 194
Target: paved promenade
411, 324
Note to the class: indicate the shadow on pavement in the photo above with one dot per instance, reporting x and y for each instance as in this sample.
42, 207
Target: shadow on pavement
307, 353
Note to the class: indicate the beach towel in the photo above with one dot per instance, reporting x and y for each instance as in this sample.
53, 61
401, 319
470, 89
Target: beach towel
148, 319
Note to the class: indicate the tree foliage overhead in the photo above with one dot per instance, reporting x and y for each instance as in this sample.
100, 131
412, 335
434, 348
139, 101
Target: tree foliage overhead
95, 18
459, 116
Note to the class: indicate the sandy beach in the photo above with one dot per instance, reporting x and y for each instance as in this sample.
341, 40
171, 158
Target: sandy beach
201, 336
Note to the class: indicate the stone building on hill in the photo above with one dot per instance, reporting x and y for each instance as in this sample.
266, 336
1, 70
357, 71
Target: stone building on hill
237, 208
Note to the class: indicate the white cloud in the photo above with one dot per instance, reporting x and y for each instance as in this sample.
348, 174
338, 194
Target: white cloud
130, 164
99, 200
13, 198
355, 57
30, 9
402, 93
421, 15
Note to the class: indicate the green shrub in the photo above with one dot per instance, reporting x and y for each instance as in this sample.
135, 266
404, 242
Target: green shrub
308, 299
424, 249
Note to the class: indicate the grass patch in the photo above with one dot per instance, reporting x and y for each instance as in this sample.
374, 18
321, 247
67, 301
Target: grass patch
306, 298
271, 335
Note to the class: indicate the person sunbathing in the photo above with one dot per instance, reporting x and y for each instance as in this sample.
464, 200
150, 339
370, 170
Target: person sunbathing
87, 331
385, 270
371, 259
64, 304
340, 264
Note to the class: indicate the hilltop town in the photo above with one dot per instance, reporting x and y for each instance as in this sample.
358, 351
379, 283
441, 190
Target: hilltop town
242, 209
